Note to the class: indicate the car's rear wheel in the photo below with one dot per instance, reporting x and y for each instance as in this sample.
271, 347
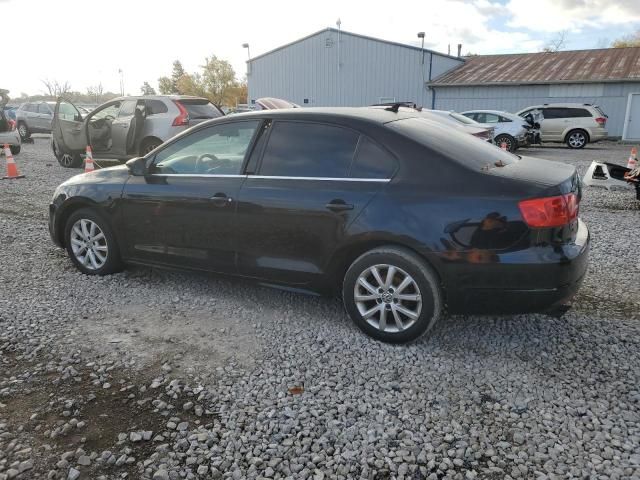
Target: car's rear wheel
23, 131
577, 139
508, 140
149, 144
91, 244
392, 295
15, 149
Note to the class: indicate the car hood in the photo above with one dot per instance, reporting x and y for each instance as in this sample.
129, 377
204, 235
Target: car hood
116, 174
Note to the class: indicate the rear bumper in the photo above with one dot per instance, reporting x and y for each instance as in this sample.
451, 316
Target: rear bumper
11, 138
534, 280
598, 134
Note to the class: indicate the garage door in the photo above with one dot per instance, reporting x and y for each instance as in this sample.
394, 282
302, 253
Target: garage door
632, 130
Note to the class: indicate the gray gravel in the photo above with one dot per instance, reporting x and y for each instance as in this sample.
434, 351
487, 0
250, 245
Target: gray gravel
159, 375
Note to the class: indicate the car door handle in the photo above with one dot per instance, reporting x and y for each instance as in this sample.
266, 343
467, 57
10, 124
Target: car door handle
338, 206
220, 200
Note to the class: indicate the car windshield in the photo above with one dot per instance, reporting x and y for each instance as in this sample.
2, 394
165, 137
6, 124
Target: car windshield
200, 108
460, 147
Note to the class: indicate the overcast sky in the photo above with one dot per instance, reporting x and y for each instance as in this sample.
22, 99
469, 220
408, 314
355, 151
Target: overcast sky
86, 42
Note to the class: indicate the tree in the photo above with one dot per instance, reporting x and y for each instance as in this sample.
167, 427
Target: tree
55, 88
191, 85
147, 89
169, 85
218, 78
631, 40
556, 43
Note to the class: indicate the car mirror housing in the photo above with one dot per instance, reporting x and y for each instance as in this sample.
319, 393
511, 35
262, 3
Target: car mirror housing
137, 166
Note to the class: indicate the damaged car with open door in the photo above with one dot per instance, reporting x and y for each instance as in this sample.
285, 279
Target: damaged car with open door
8, 133
125, 127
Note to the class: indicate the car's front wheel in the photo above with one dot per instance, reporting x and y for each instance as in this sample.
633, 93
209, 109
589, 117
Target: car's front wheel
508, 140
66, 160
23, 131
91, 243
15, 149
577, 139
392, 294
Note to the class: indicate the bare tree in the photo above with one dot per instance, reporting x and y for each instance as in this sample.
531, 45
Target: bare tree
557, 42
55, 88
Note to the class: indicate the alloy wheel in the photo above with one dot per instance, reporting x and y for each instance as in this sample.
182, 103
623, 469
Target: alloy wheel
388, 298
66, 160
22, 130
577, 139
89, 244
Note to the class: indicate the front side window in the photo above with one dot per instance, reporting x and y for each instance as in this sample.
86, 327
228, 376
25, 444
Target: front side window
108, 113
67, 111
215, 150
127, 109
44, 109
300, 149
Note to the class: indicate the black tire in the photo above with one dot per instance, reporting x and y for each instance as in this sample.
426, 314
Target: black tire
66, 160
148, 144
112, 262
23, 130
577, 139
15, 149
425, 285
508, 139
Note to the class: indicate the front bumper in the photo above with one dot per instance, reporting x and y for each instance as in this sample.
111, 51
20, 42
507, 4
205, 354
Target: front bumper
532, 280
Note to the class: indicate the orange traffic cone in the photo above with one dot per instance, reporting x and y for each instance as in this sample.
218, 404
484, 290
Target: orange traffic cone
12, 169
88, 161
503, 145
633, 159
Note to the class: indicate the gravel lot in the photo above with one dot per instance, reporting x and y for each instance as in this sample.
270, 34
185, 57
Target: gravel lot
159, 375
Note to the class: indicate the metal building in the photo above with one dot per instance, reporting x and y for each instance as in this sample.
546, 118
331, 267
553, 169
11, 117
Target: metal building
337, 68
609, 78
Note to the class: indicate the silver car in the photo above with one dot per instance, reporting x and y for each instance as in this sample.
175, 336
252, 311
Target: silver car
124, 127
34, 117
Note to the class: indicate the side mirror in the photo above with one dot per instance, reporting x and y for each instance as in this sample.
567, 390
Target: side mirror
137, 166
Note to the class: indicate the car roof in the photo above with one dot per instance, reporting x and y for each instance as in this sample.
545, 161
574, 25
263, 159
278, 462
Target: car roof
159, 97
561, 105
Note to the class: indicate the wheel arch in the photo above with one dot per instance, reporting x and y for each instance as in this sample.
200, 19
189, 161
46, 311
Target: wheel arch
69, 208
575, 129
342, 258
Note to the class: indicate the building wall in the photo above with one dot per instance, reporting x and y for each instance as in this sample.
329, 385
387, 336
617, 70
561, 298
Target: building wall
370, 71
612, 97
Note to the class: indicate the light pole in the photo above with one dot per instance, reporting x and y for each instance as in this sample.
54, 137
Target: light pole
421, 36
246, 45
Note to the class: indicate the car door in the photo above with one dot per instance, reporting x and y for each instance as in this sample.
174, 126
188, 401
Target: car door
125, 128
182, 212
553, 124
67, 128
42, 119
294, 211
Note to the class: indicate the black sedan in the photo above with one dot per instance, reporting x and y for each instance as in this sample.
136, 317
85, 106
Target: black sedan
403, 217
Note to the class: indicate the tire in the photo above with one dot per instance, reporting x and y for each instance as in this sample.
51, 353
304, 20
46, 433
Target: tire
23, 131
66, 160
104, 256
423, 285
508, 139
577, 139
15, 149
149, 144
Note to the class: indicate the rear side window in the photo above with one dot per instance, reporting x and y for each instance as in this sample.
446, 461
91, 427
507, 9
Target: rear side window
155, 107
578, 113
372, 161
504, 119
199, 109
551, 113
299, 149
44, 108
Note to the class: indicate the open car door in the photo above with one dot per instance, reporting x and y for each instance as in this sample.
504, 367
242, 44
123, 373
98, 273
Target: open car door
126, 128
68, 132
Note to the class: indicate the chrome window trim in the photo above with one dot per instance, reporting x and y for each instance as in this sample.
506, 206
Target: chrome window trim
277, 177
330, 179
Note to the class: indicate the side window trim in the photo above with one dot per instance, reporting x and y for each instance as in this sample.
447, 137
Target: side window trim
396, 162
263, 130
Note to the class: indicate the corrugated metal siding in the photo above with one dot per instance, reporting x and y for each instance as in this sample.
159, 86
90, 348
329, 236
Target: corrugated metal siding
611, 97
369, 70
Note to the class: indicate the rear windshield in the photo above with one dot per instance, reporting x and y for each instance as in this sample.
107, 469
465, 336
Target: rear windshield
454, 144
200, 109
462, 119
600, 111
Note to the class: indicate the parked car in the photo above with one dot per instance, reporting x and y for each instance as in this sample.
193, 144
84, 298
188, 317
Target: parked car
8, 133
404, 217
124, 127
509, 128
10, 112
34, 117
575, 124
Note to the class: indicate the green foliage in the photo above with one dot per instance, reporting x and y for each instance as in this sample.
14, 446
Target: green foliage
632, 40
147, 89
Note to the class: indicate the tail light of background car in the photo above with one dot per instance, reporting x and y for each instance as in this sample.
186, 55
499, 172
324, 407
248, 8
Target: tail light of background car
183, 118
601, 121
550, 211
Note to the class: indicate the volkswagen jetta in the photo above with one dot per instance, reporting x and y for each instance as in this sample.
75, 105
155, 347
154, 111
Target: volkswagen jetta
404, 218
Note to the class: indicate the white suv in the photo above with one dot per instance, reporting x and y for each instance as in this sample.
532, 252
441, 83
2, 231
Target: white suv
575, 124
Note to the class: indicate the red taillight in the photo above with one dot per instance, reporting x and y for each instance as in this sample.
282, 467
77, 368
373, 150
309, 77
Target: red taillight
601, 121
549, 211
183, 118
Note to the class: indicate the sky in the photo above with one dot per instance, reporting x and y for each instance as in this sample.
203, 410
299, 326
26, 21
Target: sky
87, 42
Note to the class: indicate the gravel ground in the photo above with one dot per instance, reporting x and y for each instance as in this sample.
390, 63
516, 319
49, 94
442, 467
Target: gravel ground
159, 375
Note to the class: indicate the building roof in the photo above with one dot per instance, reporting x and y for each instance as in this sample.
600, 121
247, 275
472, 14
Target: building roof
602, 65
344, 32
